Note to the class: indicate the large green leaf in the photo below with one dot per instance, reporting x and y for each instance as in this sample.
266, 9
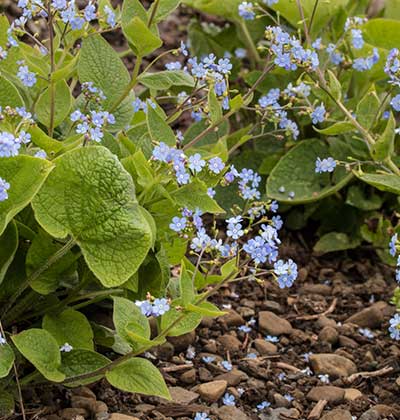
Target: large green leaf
91, 197
9, 95
384, 182
100, 64
159, 130
296, 173
164, 80
70, 327
41, 349
25, 174
383, 33
6, 359
8, 248
42, 248
367, 109
336, 241
140, 38
138, 375
188, 322
62, 104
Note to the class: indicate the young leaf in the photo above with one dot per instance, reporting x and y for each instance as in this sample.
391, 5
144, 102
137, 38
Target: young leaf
188, 323
336, 241
205, 309
337, 128
165, 8
138, 375
367, 109
140, 38
186, 286
41, 349
335, 86
159, 130
6, 359
91, 197
164, 80
382, 33
25, 174
70, 327
9, 95
42, 140
62, 104
214, 106
8, 247
384, 145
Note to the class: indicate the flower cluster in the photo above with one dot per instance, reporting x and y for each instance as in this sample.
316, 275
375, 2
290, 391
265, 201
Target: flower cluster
153, 307
27, 77
392, 66
325, 165
246, 10
91, 125
394, 327
4, 187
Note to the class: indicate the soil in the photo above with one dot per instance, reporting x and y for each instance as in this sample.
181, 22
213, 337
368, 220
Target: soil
329, 291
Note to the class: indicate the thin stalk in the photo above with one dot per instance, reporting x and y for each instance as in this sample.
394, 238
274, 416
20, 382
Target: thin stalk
254, 56
303, 19
153, 13
313, 14
52, 70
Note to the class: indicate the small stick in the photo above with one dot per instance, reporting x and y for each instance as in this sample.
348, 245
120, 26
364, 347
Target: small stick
379, 372
317, 410
176, 368
316, 316
286, 366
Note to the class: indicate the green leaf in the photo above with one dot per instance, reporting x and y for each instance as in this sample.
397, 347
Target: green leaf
159, 130
186, 286
359, 198
335, 241
140, 37
164, 80
138, 375
367, 109
6, 402
226, 9
100, 64
194, 195
188, 323
9, 95
383, 33
70, 327
81, 362
296, 172
384, 145
25, 174
128, 318
62, 104
384, 182
165, 8
214, 106
91, 197
205, 309
334, 85
8, 248
41, 349
337, 128
42, 140
42, 248
132, 8
6, 359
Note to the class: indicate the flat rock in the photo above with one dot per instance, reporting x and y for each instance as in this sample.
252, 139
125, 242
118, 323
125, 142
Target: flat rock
230, 343
232, 319
332, 364
328, 335
119, 416
337, 414
352, 394
233, 378
371, 317
182, 342
316, 289
182, 396
324, 321
70, 413
370, 414
189, 377
264, 347
280, 413
273, 324
332, 394
229, 413
212, 391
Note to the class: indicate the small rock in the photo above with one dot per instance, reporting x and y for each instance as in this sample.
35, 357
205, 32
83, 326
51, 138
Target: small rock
324, 321
101, 407
348, 342
332, 394
189, 377
316, 289
352, 394
212, 391
332, 364
371, 317
84, 391
70, 413
271, 305
182, 396
370, 414
280, 413
182, 342
210, 347
337, 414
205, 375
165, 351
386, 411
264, 347
119, 416
328, 335
228, 413
230, 343
246, 312
281, 401
273, 324
233, 378
83, 402
232, 319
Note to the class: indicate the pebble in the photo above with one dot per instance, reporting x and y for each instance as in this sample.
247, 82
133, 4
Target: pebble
337, 414
348, 342
332, 394
264, 347
352, 394
189, 377
70, 413
316, 289
273, 324
212, 391
182, 342
281, 401
271, 305
182, 396
371, 317
332, 364
328, 335
232, 319
88, 404
119, 416
370, 414
324, 321
233, 378
229, 413
280, 413
229, 343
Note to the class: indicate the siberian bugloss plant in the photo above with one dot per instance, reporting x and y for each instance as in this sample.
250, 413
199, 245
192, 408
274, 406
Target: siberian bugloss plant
100, 197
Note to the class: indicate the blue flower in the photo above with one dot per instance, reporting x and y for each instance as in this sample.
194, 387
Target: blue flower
224, 65
216, 165
176, 65
270, 99
41, 154
201, 416
196, 163
364, 64
178, 224
2, 340
325, 165
251, 356
392, 66
211, 192
246, 10
318, 115
182, 177
111, 20
66, 348
27, 78
59, 4
240, 53
183, 49
76, 116
394, 327
286, 272
145, 307
392, 245
263, 405
357, 39
208, 359
366, 332
160, 306
228, 399
395, 103
317, 44
90, 12
226, 365
235, 230
271, 339
9, 145
4, 187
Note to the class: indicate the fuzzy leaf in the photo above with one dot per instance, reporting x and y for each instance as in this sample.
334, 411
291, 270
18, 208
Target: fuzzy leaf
9, 95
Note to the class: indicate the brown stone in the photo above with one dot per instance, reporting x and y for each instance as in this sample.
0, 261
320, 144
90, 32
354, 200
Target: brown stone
230, 343
264, 347
182, 396
273, 324
332, 394
70, 413
233, 378
352, 394
82, 402
348, 342
229, 413
332, 364
328, 335
371, 317
232, 319
119, 416
189, 377
182, 342
212, 391
337, 414
316, 289
324, 321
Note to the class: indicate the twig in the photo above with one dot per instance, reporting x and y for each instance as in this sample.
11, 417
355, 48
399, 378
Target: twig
316, 316
286, 366
317, 410
373, 374
176, 368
